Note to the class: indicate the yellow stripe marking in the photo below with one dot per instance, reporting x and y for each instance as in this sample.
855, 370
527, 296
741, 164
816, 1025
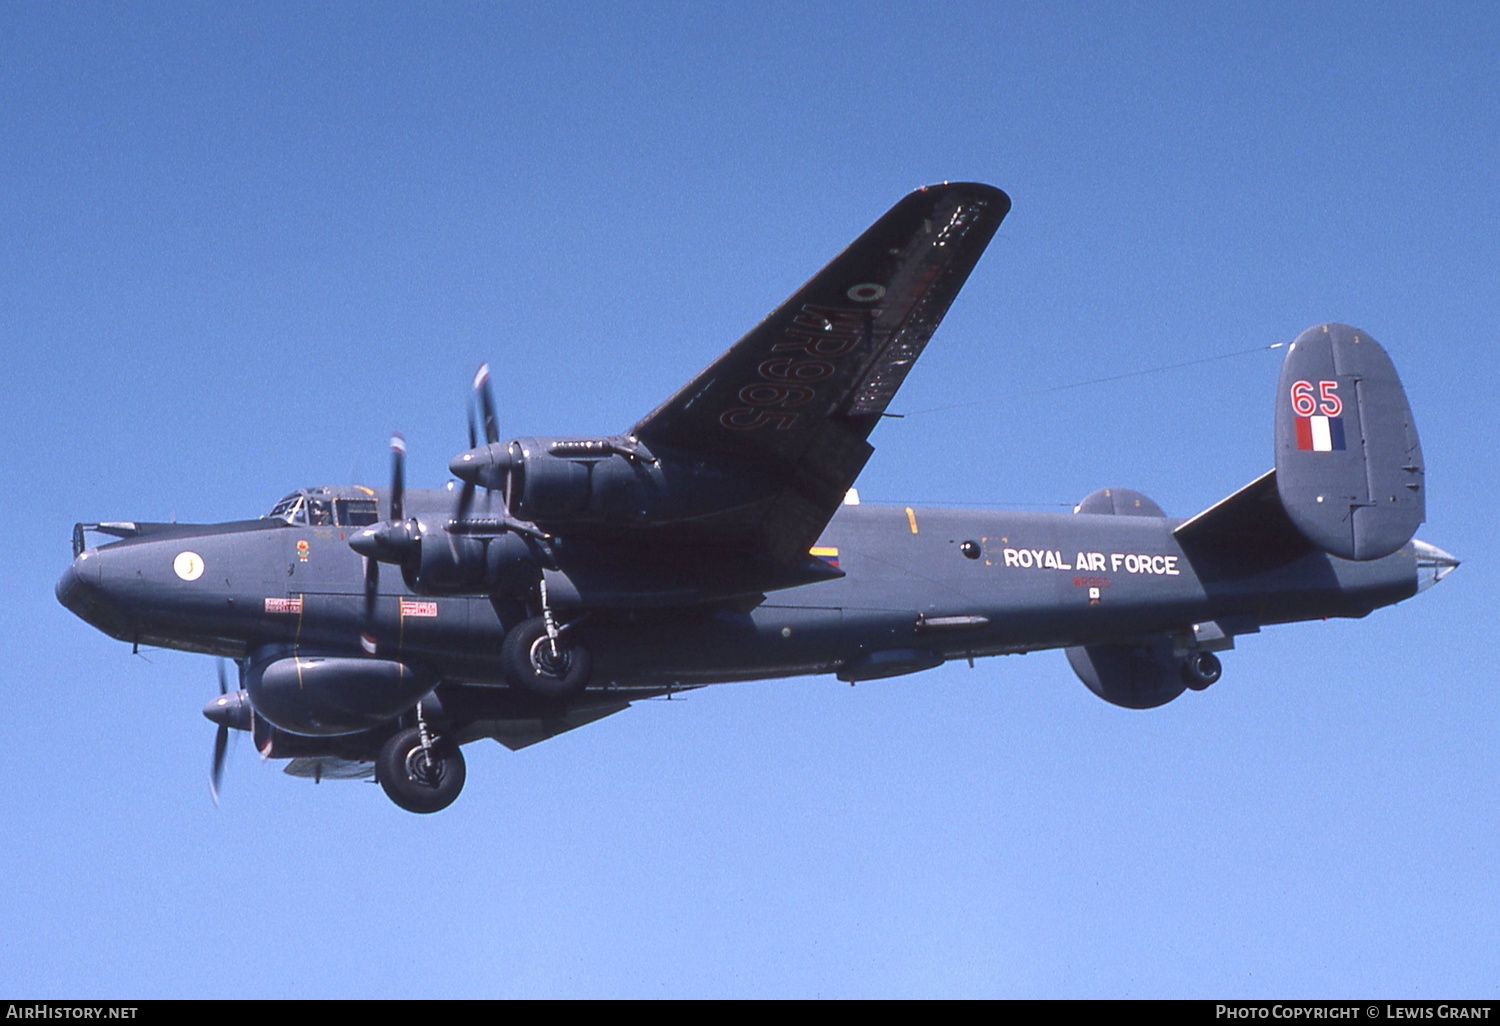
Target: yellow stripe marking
911, 519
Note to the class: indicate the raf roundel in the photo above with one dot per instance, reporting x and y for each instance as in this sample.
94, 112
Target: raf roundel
867, 293
188, 566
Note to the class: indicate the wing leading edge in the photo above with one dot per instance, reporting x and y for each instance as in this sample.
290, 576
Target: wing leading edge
797, 397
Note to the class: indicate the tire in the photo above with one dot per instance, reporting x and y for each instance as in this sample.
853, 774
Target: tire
1200, 669
420, 781
527, 660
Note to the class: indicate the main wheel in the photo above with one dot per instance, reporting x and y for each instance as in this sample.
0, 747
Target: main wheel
1200, 669
418, 779
531, 663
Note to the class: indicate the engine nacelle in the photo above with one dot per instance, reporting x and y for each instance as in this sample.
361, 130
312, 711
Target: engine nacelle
442, 563
606, 481
325, 696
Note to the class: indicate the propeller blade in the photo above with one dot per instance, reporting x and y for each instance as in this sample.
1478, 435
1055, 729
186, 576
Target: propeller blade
465, 501
484, 398
398, 477
486, 404
216, 775
510, 477
372, 585
222, 711
394, 539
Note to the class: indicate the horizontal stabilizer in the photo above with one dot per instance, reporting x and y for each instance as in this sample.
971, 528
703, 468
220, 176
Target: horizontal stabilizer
1348, 463
1247, 533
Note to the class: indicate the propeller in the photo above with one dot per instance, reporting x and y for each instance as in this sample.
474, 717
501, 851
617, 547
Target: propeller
389, 541
490, 466
229, 710
484, 399
397, 512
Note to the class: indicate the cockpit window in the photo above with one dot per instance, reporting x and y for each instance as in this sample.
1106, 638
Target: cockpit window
290, 509
356, 512
319, 512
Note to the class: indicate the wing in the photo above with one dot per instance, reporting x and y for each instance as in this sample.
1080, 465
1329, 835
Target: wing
797, 397
518, 734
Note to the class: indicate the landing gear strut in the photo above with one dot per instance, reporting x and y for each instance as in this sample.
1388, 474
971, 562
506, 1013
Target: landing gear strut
419, 771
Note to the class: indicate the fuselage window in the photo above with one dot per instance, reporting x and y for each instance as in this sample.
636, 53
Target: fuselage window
356, 512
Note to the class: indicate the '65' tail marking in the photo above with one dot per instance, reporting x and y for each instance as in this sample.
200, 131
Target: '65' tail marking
1319, 426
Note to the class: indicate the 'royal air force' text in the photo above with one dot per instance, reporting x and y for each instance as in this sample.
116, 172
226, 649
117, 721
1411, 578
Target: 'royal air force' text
1094, 562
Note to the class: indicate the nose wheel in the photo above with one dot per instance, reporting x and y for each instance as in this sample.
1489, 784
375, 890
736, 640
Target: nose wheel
420, 774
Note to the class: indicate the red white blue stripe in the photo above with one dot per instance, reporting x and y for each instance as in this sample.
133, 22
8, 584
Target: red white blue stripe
1320, 434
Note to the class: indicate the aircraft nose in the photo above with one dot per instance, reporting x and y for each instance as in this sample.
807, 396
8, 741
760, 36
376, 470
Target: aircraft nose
78, 587
81, 589
1433, 564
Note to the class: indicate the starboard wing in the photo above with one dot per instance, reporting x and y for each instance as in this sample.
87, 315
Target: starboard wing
797, 397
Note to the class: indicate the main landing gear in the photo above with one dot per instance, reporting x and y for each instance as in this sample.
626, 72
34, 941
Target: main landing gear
420, 771
545, 664
540, 659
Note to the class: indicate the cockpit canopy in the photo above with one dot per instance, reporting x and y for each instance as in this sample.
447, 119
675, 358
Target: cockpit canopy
328, 507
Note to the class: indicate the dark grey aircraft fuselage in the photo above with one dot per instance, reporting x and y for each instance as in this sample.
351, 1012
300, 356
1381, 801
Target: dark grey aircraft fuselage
920, 586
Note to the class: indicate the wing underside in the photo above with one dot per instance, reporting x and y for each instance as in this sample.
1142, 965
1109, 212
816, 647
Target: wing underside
797, 397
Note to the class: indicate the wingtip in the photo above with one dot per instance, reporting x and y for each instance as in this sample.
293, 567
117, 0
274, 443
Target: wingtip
974, 192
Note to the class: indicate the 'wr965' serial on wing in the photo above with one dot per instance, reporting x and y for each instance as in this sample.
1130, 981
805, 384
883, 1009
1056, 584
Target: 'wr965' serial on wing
377, 631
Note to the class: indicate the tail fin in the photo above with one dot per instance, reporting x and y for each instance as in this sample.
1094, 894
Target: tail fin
1348, 463
1349, 471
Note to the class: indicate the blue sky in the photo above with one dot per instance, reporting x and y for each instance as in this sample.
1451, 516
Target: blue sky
240, 244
